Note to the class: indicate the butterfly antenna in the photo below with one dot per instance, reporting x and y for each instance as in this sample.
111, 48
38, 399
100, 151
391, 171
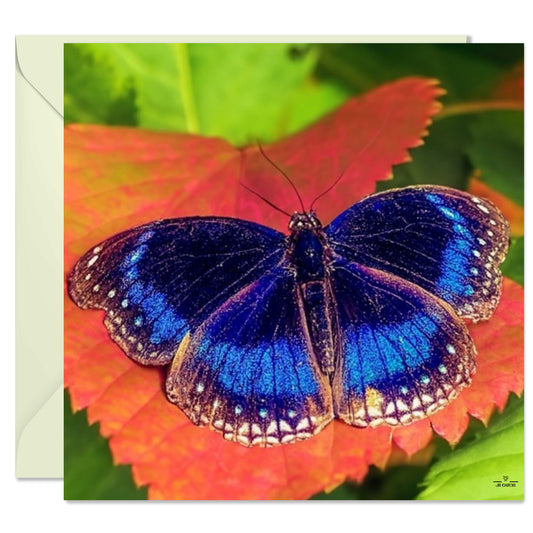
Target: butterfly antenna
265, 200
323, 193
365, 147
284, 175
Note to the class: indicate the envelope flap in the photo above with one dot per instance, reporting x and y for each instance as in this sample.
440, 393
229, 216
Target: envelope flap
40, 60
40, 448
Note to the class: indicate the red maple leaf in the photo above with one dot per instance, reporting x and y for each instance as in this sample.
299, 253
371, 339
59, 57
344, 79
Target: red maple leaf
116, 178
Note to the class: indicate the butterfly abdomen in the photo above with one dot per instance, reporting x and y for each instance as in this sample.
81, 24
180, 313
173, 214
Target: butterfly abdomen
320, 319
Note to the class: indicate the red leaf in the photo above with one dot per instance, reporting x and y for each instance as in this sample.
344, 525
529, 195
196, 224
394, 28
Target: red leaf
500, 369
451, 423
118, 177
500, 346
414, 437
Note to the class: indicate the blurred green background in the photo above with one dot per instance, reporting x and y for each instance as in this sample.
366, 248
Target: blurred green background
250, 92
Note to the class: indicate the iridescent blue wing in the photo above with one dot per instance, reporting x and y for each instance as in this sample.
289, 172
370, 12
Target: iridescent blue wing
446, 241
159, 280
247, 371
405, 353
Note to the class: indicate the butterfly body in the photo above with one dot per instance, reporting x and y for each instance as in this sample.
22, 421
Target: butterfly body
272, 336
311, 258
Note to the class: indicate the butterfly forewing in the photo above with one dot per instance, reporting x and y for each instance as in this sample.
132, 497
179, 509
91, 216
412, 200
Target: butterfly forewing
158, 281
446, 241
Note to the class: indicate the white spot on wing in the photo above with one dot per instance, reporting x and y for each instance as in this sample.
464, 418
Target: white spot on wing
390, 408
244, 428
272, 428
303, 424
401, 405
283, 426
426, 399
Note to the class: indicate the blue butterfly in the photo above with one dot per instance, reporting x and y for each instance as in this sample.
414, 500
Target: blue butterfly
269, 337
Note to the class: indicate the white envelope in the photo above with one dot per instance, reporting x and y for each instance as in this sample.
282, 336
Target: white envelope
39, 252
39, 236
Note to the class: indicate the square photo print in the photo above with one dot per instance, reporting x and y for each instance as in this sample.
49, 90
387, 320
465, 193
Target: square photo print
294, 271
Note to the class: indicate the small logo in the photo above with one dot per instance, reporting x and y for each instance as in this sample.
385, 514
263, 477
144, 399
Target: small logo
505, 482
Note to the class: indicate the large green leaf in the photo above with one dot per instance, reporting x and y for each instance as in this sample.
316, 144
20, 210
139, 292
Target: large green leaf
257, 91
242, 92
471, 472
497, 150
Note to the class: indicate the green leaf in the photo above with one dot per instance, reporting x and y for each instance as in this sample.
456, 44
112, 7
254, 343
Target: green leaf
94, 92
346, 491
456, 144
248, 92
497, 454
396, 483
89, 469
497, 150
441, 160
242, 92
360, 67
513, 266
153, 69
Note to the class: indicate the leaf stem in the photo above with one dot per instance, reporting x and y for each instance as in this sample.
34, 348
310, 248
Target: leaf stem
186, 87
477, 106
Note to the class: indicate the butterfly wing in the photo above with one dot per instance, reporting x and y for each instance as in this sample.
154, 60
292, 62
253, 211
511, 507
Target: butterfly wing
446, 241
248, 372
159, 280
405, 353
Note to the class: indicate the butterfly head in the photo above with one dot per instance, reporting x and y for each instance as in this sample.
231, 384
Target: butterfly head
303, 221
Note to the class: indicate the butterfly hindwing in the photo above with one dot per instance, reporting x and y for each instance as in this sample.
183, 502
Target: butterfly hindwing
405, 353
158, 281
446, 241
248, 372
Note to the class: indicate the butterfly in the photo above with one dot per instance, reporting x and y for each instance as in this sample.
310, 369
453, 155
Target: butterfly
271, 336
